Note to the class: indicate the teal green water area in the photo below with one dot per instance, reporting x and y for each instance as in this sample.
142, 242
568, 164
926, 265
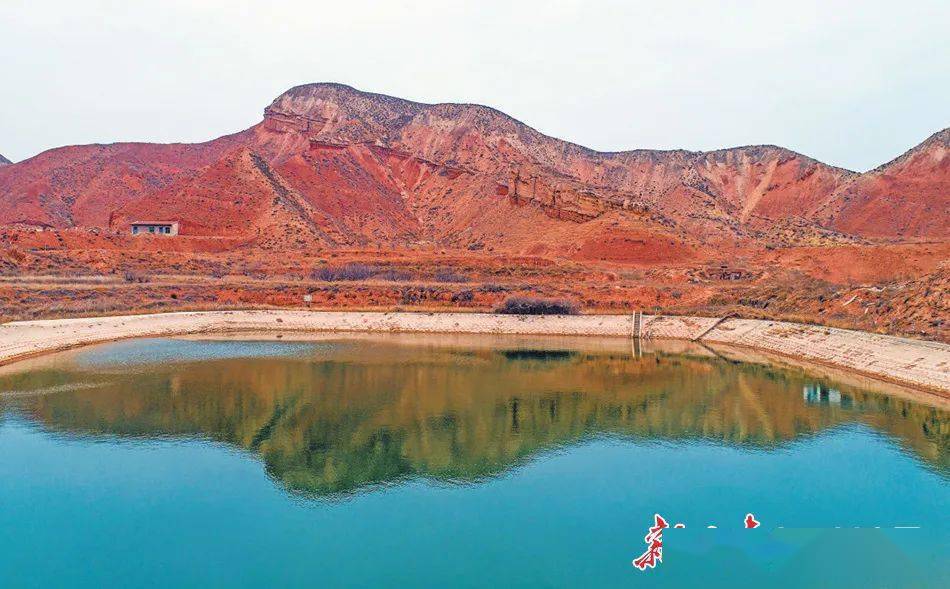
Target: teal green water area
412, 462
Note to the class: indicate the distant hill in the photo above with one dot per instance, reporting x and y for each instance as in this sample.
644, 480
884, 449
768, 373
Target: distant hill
909, 196
332, 166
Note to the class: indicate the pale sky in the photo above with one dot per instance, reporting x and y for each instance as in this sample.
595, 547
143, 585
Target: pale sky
853, 84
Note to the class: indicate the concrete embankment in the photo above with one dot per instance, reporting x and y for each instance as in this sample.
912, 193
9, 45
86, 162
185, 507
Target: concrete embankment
910, 362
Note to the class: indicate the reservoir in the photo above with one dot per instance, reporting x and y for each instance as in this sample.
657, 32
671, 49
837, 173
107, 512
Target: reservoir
424, 461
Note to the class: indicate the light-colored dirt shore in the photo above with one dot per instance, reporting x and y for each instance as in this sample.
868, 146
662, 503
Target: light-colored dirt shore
919, 364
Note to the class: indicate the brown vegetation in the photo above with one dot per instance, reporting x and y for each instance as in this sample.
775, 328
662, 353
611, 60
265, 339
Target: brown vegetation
536, 306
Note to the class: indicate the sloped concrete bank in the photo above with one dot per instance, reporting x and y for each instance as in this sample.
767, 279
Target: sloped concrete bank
909, 362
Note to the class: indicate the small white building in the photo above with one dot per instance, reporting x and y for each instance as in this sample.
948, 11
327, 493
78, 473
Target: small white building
155, 227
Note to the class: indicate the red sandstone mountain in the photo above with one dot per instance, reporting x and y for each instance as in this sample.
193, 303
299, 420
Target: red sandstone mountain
83, 185
909, 196
332, 166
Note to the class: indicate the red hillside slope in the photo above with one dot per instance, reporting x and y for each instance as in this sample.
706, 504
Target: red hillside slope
351, 168
907, 197
83, 185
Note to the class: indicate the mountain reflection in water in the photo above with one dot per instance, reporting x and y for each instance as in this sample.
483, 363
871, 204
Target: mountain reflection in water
340, 418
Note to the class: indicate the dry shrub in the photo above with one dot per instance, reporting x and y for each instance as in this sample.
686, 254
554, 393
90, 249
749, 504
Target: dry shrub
493, 288
351, 271
450, 276
534, 306
464, 296
394, 275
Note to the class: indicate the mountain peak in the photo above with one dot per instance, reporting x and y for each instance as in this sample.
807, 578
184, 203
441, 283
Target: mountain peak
4, 161
320, 99
348, 96
338, 91
340, 112
934, 147
939, 137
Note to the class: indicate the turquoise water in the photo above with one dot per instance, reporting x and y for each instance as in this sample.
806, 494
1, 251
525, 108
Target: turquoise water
366, 463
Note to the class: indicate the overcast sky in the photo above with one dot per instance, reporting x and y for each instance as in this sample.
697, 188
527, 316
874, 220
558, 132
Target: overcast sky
853, 84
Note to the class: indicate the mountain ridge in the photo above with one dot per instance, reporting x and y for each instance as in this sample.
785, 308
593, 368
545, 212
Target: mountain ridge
440, 168
633, 151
